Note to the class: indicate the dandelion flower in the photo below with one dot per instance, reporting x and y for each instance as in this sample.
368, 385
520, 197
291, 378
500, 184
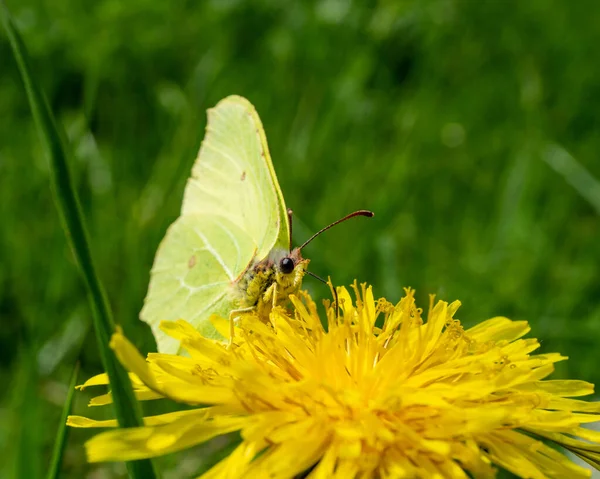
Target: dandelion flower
380, 392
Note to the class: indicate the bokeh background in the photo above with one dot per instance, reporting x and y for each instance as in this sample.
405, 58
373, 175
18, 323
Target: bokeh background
471, 128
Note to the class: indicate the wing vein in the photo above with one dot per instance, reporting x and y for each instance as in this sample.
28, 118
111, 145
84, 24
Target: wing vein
231, 159
195, 289
215, 254
202, 311
235, 243
220, 173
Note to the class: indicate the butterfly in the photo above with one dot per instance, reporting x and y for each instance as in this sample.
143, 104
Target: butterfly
229, 251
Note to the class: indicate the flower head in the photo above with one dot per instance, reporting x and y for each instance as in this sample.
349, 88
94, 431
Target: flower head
380, 392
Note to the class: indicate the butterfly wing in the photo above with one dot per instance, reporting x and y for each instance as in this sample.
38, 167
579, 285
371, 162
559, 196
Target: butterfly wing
233, 213
199, 258
229, 177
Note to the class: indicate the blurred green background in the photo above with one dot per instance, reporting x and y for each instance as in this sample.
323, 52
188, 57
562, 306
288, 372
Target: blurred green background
471, 128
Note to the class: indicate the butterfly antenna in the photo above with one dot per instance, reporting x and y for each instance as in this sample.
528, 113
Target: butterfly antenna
337, 303
366, 213
290, 213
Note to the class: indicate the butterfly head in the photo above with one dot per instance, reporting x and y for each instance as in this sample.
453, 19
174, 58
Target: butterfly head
289, 270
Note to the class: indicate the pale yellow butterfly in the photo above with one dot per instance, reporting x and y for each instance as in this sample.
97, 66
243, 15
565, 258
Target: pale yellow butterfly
230, 249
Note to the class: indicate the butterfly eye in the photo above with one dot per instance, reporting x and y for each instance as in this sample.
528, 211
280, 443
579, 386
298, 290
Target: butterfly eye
286, 265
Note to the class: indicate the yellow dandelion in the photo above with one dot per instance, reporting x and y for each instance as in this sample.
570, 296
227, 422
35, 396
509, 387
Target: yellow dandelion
378, 393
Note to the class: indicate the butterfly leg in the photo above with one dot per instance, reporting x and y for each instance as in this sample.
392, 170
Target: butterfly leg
274, 294
232, 317
269, 296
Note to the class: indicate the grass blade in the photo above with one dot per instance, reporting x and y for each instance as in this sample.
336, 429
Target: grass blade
61, 434
127, 410
575, 173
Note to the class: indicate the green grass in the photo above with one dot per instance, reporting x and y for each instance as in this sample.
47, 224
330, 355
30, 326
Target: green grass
439, 116
126, 408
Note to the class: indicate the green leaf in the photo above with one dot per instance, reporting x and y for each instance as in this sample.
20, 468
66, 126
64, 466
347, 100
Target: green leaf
127, 410
61, 434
